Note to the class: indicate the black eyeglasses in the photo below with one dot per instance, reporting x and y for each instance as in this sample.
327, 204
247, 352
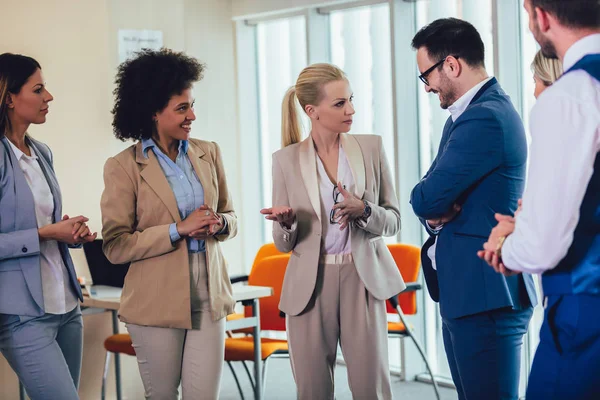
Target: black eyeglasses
336, 195
423, 76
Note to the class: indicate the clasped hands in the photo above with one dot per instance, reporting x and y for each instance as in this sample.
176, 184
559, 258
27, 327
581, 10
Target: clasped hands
71, 231
201, 224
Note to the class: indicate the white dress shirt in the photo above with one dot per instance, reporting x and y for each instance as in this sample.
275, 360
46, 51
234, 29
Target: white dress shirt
456, 110
56, 288
565, 139
335, 241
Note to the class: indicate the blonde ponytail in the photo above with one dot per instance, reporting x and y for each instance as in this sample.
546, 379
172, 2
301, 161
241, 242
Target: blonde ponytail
290, 124
308, 90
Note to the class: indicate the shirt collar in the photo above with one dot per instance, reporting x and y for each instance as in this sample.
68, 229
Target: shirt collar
19, 154
584, 46
463, 102
148, 143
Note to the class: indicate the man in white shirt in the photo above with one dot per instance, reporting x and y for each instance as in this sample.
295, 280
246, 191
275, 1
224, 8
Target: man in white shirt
479, 170
558, 231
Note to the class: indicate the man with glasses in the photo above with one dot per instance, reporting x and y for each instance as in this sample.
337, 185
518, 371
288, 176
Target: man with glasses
479, 171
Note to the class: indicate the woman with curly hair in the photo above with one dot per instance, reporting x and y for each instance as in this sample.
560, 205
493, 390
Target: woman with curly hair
165, 208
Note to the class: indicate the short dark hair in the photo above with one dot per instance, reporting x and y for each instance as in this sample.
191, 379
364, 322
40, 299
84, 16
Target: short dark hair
145, 84
15, 70
451, 37
572, 13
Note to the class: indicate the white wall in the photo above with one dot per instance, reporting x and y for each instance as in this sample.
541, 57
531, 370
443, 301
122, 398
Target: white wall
76, 44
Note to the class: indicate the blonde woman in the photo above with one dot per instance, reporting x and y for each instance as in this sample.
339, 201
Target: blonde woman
545, 72
333, 201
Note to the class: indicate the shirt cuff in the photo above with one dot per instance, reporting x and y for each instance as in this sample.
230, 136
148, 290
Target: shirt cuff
435, 230
223, 230
292, 228
173, 233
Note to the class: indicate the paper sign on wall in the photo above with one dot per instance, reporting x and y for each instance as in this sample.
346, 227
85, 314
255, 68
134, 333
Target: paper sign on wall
131, 40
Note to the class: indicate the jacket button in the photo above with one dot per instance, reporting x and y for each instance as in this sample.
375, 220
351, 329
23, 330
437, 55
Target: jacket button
24, 249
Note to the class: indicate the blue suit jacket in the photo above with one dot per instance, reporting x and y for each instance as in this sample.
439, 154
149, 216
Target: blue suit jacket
20, 275
481, 166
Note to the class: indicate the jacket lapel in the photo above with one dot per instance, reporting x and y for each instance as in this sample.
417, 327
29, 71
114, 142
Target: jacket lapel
308, 170
203, 168
44, 161
154, 176
356, 161
25, 210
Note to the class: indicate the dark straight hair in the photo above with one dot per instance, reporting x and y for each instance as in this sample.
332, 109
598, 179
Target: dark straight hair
15, 70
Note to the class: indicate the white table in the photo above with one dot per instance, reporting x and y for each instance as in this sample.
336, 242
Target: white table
248, 295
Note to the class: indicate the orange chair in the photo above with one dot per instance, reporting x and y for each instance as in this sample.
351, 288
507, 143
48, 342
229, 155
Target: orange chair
408, 260
265, 250
268, 271
119, 343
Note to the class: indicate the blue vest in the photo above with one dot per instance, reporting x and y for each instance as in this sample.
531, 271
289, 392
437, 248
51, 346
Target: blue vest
579, 271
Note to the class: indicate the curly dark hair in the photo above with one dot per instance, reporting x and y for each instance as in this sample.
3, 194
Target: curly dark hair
145, 84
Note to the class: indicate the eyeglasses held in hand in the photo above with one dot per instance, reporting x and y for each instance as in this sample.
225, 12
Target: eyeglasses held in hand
336, 196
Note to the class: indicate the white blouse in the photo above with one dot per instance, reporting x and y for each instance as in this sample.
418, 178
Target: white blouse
58, 294
334, 240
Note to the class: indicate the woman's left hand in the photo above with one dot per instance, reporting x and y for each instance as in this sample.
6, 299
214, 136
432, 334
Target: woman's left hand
348, 210
210, 230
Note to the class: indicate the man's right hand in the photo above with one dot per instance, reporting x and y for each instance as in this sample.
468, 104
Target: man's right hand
449, 216
197, 220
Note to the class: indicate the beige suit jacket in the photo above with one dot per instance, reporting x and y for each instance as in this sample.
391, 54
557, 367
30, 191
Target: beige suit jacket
138, 206
295, 184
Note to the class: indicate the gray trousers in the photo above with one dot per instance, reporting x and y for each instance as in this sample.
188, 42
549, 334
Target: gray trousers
167, 356
45, 352
343, 311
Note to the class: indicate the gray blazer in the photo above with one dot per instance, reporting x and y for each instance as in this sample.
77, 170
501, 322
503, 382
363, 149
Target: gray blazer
295, 184
20, 275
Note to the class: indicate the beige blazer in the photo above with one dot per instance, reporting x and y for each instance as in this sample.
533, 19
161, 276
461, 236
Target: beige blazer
295, 184
138, 206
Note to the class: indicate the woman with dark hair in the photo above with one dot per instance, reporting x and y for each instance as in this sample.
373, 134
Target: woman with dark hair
165, 208
41, 329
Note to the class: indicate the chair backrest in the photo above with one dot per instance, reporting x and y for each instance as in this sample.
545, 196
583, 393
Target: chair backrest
408, 260
266, 250
269, 271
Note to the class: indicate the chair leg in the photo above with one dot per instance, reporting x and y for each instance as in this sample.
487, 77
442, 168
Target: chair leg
420, 349
249, 374
237, 382
264, 376
104, 374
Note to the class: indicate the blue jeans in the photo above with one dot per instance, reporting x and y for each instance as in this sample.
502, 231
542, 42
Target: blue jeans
484, 353
45, 352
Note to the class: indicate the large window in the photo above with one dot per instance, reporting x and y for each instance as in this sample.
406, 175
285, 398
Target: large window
360, 45
281, 46
371, 43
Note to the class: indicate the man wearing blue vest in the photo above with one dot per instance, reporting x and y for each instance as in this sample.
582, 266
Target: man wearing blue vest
558, 231
479, 170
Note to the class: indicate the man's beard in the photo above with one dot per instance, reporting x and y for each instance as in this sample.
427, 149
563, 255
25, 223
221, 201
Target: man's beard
547, 47
447, 92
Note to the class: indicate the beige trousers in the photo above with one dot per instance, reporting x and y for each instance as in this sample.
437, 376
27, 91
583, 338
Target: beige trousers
167, 357
341, 309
